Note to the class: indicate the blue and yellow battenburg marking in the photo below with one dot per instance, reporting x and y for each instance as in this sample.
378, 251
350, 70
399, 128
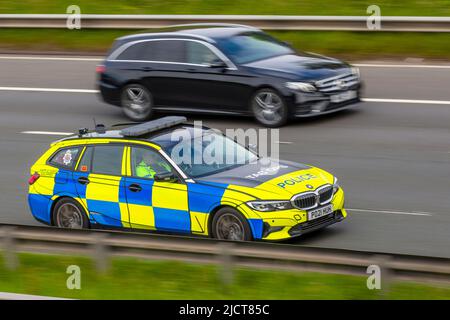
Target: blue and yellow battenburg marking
165, 206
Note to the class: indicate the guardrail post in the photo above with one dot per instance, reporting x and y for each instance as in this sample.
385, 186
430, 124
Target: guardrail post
100, 252
225, 265
9, 249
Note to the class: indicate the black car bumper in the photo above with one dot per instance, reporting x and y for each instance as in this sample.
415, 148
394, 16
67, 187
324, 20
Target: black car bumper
319, 103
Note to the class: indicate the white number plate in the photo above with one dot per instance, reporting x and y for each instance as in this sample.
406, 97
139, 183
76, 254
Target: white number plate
347, 95
317, 213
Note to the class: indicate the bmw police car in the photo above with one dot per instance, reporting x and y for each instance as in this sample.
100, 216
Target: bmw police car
143, 177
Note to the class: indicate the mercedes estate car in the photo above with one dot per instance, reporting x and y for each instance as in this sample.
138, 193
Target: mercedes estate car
225, 70
146, 177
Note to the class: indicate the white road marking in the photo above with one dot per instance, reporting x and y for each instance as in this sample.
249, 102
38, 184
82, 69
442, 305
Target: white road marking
418, 213
368, 65
65, 90
48, 90
284, 142
51, 58
407, 101
51, 133
373, 65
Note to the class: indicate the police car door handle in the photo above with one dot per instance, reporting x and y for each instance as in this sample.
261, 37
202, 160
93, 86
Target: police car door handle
83, 180
135, 188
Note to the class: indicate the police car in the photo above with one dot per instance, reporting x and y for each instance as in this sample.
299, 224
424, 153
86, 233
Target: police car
156, 176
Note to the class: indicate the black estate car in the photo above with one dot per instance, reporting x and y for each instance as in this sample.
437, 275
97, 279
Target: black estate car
223, 69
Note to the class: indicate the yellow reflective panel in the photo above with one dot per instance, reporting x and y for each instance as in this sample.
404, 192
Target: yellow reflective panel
142, 216
103, 187
170, 195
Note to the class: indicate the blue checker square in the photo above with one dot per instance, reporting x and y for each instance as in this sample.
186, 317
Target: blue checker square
170, 219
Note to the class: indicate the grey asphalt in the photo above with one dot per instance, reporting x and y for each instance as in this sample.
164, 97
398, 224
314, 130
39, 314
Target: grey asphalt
392, 159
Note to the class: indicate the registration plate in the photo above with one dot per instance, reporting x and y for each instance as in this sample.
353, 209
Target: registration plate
320, 212
344, 96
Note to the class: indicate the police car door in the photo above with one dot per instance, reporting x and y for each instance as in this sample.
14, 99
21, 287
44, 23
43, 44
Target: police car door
154, 204
100, 185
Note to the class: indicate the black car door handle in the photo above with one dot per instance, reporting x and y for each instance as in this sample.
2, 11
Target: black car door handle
83, 180
135, 188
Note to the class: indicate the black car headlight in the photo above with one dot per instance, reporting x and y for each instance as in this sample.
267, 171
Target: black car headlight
336, 186
356, 72
270, 205
301, 86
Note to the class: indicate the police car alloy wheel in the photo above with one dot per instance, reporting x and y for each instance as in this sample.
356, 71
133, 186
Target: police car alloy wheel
269, 108
230, 225
137, 102
69, 214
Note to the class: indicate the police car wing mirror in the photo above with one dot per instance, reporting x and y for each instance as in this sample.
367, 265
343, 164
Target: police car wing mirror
165, 177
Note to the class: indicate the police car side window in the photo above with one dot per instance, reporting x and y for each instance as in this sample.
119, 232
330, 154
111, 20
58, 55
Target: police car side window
145, 163
107, 159
86, 160
65, 158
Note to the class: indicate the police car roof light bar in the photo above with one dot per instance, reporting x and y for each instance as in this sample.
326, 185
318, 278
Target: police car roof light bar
152, 126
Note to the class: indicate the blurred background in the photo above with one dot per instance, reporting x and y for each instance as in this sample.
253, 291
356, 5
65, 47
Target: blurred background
392, 152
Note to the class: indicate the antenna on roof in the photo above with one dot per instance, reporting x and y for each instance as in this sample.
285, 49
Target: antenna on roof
99, 128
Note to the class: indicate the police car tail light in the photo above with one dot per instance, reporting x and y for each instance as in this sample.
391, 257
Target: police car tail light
33, 178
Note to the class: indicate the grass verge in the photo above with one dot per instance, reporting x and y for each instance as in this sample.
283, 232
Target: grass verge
347, 45
139, 279
269, 7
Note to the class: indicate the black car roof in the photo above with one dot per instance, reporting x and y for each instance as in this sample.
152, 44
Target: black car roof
200, 31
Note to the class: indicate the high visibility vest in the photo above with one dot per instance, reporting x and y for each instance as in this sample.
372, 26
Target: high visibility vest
143, 170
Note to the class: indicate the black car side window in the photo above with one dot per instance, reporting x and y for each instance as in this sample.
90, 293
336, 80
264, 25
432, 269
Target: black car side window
166, 50
198, 53
136, 51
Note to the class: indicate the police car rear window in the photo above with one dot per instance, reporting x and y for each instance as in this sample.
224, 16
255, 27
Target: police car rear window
65, 158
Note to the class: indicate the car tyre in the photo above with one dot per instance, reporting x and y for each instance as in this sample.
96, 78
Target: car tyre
269, 108
229, 224
68, 213
137, 102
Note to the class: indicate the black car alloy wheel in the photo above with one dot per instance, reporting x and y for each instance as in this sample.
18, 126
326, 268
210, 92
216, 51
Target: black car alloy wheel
269, 108
137, 102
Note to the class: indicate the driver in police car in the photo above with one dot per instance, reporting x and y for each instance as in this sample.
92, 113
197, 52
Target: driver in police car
151, 164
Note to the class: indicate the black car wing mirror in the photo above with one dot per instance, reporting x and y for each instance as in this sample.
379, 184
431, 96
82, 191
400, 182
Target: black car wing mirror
165, 177
217, 64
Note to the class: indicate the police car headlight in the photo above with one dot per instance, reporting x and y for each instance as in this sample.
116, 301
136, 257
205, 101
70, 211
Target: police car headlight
266, 206
301, 86
336, 186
